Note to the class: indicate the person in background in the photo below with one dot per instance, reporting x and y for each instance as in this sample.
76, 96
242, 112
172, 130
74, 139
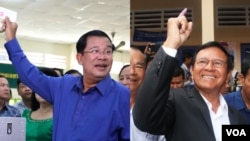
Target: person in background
178, 78
226, 89
25, 93
138, 67
39, 121
73, 72
234, 83
181, 114
80, 104
150, 51
6, 110
124, 75
241, 99
186, 62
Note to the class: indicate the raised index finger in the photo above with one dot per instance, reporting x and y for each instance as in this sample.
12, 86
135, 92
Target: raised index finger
183, 12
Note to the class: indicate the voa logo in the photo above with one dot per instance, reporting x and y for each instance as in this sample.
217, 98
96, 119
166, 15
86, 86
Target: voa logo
236, 132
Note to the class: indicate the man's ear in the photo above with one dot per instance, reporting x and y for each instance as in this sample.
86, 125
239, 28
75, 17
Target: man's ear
79, 58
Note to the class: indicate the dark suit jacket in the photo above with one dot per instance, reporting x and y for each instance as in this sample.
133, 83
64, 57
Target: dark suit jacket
180, 114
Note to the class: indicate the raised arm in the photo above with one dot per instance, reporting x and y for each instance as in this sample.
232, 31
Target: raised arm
27, 72
154, 111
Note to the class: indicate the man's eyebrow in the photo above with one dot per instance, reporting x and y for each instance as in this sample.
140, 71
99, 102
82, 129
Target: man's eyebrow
93, 47
140, 63
109, 46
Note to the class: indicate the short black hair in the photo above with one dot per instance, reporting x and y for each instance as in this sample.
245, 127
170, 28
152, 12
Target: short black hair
245, 66
179, 72
186, 55
82, 41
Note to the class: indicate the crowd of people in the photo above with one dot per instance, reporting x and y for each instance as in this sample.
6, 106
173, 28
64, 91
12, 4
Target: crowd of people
151, 101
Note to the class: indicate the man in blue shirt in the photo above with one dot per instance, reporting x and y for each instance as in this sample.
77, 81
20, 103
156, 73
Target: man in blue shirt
241, 99
92, 107
5, 109
25, 93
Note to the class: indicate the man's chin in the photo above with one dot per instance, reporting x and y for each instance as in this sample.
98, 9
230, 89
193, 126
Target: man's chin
101, 76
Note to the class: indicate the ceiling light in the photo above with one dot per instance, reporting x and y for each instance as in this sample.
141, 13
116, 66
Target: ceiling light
77, 17
101, 2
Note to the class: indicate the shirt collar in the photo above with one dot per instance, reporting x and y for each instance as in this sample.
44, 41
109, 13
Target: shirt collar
6, 107
104, 85
101, 86
223, 105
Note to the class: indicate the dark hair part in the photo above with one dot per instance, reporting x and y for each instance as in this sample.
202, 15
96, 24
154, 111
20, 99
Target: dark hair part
72, 71
82, 41
179, 72
216, 45
34, 103
186, 55
245, 67
123, 67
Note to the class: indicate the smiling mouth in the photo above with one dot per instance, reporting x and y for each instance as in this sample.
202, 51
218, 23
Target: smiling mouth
133, 80
208, 77
101, 66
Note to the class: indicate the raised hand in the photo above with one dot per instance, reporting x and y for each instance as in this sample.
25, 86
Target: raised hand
9, 28
178, 30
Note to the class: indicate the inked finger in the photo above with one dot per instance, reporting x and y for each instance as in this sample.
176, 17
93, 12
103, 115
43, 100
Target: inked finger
183, 12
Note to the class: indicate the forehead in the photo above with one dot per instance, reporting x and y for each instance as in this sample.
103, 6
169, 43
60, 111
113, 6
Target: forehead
3, 80
178, 78
211, 53
98, 41
21, 84
136, 54
126, 70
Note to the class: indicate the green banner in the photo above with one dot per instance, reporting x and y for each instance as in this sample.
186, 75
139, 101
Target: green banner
8, 71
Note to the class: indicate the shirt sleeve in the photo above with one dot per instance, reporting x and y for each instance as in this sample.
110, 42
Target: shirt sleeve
170, 51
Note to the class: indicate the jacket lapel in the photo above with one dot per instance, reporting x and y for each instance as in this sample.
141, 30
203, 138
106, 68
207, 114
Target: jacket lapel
202, 106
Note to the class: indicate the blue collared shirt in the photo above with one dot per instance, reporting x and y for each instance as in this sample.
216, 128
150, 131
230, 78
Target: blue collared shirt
20, 106
100, 114
235, 100
9, 111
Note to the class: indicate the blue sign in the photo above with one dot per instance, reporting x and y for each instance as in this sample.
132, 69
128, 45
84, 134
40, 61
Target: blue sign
149, 36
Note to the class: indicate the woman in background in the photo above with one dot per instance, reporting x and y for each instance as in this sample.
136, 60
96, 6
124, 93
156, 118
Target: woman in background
39, 121
124, 75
